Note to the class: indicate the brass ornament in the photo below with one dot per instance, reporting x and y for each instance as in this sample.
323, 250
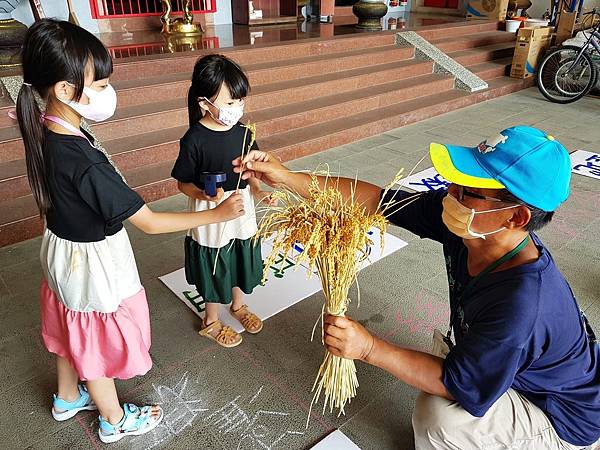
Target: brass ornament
181, 25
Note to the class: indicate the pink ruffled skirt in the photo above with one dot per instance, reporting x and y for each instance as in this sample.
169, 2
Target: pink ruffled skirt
97, 345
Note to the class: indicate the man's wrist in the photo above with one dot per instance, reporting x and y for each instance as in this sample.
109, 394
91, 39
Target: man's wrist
371, 350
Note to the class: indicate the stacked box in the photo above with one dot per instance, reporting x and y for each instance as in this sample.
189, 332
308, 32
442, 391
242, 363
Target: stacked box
531, 46
487, 9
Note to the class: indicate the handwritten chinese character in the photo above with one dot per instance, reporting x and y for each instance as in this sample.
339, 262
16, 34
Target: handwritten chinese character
255, 427
433, 183
193, 299
281, 264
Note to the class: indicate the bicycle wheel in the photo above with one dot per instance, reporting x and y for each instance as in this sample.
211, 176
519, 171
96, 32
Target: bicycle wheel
560, 80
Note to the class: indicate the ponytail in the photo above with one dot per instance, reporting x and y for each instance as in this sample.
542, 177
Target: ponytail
194, 111
32, 130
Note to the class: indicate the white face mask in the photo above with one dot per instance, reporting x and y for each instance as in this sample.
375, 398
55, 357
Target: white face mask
102, 104
458, 218
228, 115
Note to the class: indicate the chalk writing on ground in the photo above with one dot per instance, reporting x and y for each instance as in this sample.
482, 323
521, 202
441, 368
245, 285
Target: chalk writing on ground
247, 425
252, 425
429, 312
181, 405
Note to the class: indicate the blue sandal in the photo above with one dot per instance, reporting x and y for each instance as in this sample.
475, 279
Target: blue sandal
135, 421
63, 410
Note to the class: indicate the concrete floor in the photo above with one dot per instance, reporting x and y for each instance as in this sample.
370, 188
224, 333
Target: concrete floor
257, 395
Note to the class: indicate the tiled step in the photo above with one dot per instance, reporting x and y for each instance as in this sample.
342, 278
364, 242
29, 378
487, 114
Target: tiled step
163, 145
11, 145
171, 113
492, 69
137, 120
474, 40
173, 63
5, 120
309, 140
13, 179
147, 90
20, 219
483, 54
287, 117
453, 30
167, 64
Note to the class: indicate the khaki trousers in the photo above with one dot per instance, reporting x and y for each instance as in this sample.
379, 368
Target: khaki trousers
512, 423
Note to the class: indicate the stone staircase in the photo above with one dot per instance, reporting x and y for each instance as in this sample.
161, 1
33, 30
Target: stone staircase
307, 96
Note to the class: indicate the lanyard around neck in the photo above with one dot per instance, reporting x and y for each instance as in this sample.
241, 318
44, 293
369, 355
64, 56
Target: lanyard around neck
66, 125
469, 287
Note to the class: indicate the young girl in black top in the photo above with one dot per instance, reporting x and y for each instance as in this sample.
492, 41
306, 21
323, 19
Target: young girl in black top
93, 307
214, 140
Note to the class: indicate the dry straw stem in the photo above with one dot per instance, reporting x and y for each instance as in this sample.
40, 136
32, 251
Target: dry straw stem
251, 127
333, 231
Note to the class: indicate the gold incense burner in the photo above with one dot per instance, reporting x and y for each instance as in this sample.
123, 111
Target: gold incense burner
182, 25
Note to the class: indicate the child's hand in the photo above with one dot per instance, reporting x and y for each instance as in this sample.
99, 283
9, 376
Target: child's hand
231, 208
265, 198
202, 195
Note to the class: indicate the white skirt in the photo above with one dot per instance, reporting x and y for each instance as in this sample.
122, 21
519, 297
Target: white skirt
90, 276
217, 235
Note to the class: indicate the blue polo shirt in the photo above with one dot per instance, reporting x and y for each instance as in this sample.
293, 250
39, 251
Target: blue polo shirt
519, 328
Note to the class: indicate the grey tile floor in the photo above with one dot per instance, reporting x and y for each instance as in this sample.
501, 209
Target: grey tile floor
260, 392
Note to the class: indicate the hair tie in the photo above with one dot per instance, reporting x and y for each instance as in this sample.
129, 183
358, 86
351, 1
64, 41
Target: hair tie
26, 84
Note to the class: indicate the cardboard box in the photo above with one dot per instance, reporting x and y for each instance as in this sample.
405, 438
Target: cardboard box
487, 9
565, 26
531, 46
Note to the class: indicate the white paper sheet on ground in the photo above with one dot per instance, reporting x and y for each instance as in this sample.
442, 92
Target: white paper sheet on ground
336, 440
586, 163
287, 283
426, 180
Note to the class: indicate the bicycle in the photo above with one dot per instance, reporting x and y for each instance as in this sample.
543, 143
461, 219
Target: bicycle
568, 73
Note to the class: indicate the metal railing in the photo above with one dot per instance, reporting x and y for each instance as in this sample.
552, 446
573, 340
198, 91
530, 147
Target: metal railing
111, 9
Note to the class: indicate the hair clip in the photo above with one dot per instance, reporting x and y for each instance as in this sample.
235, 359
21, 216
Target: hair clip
26, 84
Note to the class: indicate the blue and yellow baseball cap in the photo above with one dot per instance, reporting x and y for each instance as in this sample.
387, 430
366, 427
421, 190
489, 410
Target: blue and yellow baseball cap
530, 164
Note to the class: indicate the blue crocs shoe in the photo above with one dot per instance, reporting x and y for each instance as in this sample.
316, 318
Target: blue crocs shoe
136, 421
63, 410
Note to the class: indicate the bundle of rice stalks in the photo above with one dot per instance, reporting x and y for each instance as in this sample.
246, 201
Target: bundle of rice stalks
333, 231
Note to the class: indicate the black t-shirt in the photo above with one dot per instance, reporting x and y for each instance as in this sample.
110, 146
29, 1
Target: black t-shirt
89, 198
205, 150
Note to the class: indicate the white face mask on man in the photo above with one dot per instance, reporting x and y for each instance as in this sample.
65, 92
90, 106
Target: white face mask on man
458, 218
102, 104
228, 115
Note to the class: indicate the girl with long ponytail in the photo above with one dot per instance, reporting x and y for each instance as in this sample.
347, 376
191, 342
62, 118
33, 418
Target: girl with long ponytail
94, 311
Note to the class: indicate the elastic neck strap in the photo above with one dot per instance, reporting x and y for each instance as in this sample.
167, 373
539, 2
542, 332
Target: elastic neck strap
510, 255
66, 125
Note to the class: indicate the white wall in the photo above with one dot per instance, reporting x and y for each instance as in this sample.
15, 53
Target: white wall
223, 14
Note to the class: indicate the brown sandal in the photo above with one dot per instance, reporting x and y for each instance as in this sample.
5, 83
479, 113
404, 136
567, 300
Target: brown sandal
221, 334
250, 321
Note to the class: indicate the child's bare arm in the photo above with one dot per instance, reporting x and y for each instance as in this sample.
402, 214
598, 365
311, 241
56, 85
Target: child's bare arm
168, 222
